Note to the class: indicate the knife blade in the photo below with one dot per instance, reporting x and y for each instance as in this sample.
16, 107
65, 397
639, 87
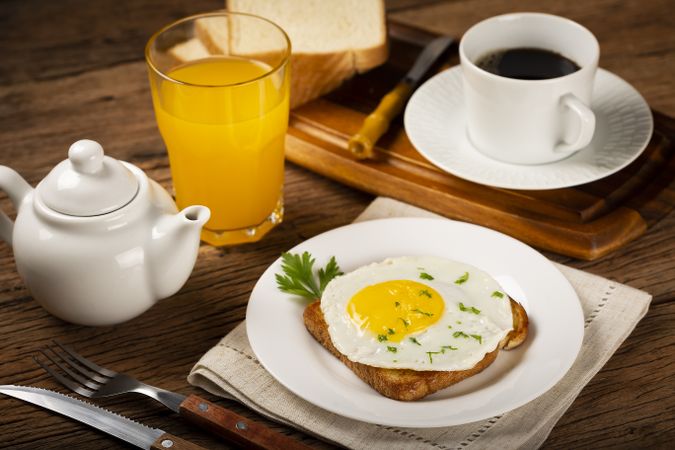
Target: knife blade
114, 424
376, 124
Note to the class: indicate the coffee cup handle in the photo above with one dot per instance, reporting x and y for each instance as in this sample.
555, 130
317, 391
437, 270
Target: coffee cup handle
586, 124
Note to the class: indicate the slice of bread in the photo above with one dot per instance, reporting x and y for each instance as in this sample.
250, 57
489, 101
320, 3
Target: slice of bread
406, 384
189, 50
214, 33
331, 41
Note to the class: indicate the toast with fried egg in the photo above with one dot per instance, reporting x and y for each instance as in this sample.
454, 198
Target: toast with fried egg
408, 384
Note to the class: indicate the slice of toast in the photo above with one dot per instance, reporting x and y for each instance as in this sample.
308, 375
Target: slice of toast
407, 384
189, 50
331, 41
329, 44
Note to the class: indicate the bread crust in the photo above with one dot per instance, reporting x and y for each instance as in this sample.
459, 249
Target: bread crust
407, 384
369, 58
313, 75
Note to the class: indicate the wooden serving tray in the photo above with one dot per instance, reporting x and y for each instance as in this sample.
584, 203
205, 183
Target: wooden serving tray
585, 222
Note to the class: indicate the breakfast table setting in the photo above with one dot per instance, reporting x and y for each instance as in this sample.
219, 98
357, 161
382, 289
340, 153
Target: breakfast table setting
377, 224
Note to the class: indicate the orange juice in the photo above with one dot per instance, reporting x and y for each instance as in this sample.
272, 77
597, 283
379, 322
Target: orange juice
223, 120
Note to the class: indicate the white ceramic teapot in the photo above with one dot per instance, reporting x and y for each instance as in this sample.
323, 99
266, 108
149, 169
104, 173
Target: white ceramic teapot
97, 242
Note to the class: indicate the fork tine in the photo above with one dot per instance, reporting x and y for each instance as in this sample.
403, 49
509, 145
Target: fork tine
84, 361
77, 367
64, 381
76, 376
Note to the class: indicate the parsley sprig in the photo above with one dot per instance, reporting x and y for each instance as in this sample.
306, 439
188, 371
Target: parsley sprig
299, 279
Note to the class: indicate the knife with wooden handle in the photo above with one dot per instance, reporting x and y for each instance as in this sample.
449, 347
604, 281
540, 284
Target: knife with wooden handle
391, 105
114, 424
221, 421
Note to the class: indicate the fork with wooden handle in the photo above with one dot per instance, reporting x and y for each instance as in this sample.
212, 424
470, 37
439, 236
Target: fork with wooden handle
90, 380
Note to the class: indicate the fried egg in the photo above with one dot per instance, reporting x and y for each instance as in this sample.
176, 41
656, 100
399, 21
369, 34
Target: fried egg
416, 312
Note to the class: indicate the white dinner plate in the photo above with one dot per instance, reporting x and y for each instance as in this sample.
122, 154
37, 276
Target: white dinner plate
436, 125
285, 348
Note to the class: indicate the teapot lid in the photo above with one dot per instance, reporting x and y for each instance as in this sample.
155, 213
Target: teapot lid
88, 183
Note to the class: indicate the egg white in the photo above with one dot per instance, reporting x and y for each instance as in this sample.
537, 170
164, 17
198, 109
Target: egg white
492, 324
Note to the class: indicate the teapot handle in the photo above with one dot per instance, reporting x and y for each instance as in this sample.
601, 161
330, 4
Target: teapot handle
16, 188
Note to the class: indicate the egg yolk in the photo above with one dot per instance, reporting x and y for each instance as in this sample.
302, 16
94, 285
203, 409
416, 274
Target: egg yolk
393, 309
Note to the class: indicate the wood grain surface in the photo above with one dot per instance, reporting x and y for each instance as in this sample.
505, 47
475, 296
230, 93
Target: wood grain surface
74, 69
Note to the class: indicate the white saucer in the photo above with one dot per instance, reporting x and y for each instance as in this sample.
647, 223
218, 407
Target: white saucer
434, 121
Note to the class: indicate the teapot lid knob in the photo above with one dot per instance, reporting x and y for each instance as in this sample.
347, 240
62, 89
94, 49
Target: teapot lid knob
86, 156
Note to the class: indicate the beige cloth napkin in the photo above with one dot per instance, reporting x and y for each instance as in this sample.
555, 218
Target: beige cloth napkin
612, 310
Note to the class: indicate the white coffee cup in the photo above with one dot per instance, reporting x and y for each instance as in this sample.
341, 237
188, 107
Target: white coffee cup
529, 121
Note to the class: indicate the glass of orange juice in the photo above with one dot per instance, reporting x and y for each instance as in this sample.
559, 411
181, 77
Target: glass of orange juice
220, 90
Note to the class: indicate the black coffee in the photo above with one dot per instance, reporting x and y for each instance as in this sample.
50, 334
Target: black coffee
527, 64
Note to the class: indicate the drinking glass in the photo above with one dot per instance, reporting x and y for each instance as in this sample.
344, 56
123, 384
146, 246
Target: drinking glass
220, 91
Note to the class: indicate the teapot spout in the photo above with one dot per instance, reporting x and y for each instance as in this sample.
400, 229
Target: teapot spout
175, 244
194, 217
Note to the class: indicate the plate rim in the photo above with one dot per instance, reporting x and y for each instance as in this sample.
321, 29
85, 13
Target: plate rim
576, 305
457, 71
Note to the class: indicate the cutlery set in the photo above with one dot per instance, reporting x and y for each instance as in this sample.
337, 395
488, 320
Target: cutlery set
90, 380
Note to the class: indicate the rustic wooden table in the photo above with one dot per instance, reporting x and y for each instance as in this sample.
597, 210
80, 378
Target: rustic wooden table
74, 69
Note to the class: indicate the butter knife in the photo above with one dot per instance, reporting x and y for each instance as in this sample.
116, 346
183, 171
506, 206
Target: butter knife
114, 424
391, 105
